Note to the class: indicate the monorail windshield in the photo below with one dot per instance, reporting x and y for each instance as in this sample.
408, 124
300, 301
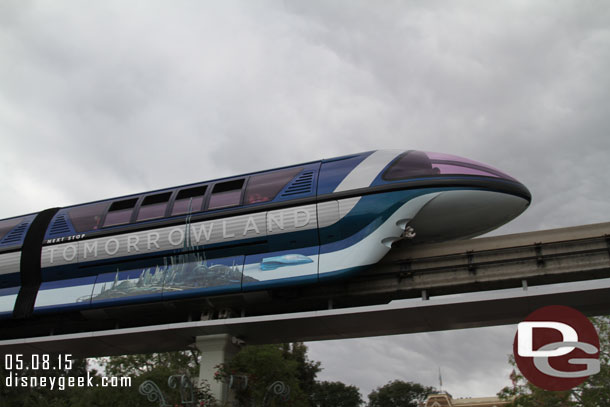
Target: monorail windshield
417, 164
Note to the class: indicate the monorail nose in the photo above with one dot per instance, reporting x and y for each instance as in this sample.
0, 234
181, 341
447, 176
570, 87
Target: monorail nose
477, 199
464, 214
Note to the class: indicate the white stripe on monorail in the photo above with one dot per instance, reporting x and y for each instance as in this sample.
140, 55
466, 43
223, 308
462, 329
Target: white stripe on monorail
10, 262
489, 308
365, 173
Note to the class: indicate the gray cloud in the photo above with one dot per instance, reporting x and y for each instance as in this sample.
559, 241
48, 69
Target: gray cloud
472, 362
112, 98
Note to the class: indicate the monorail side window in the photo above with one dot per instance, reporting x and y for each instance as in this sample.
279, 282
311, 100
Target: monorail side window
88, 217
7, 225
226, 194
264, 187
192, 197
154, 206
120, 212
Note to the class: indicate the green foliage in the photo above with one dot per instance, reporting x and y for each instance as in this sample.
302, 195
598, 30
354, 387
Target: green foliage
204, 394
399, 394
335, 394
307, 370
156, 367
524, 394
264, 365
37, 395
134, 365
594, 392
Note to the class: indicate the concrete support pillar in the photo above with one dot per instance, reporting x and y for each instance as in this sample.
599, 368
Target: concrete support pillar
215, 349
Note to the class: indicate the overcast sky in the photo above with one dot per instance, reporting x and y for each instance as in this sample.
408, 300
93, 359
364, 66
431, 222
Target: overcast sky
100, 99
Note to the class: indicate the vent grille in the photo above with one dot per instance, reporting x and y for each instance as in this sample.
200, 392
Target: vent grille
302, 185
59, 226
16, 235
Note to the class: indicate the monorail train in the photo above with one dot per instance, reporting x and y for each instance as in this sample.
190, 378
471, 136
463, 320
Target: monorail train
305, 223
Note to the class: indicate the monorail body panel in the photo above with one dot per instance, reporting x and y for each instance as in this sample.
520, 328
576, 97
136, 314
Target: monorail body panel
13, 232
301, 224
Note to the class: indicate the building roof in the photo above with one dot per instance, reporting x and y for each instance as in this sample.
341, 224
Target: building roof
445, 400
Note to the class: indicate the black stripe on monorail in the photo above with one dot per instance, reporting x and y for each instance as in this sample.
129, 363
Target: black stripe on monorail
466, 181
31, 264
493, 184
9, 249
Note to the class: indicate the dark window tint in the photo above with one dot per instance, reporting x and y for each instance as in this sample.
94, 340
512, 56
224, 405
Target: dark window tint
190, 197
154, 206
264, 187
120, 212
88, 217
411, 164
451, 164
7, 225
226, 194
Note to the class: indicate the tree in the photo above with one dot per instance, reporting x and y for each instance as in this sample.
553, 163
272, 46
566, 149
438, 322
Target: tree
594, 392
179, 362
157, 367
525, 394
307, 370
399, 394
264, 365
14, 392
335, 394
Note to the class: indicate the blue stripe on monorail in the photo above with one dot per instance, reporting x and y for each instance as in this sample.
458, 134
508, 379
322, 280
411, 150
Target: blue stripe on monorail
262, 285
10, 280
9, 291
73, 282
197, 292
48, 309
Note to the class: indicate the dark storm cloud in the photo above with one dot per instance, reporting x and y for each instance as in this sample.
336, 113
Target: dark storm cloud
110, 98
